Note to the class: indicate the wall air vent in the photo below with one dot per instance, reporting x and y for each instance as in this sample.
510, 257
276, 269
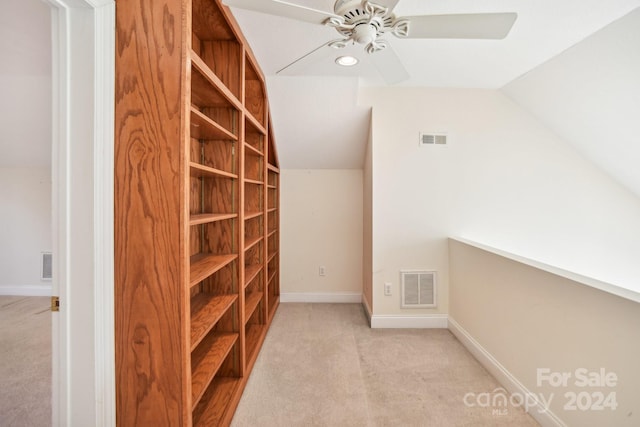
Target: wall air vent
433, 139
46, 270
418, 288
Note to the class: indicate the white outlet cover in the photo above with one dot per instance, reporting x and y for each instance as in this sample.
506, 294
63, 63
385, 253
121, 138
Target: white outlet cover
387, 288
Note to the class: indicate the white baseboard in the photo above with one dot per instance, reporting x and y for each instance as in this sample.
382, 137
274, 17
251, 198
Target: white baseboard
546, 418
26, 290
400, 321
321, 297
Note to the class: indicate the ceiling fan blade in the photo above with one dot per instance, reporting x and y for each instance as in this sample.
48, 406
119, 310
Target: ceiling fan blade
388, 65
464, 26
390, 4
284, 9
306, 60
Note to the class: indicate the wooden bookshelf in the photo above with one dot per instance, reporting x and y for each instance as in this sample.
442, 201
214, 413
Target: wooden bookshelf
197, 213
206, 310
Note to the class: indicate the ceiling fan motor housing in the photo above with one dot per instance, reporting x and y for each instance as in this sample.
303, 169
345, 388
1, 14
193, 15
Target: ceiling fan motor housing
364, 22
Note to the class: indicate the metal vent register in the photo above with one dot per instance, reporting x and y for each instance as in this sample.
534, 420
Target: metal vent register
46, 272
433, 139
418, 289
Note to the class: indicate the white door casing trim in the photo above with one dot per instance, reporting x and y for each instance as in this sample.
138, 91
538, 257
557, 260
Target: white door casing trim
83, 57
105, 21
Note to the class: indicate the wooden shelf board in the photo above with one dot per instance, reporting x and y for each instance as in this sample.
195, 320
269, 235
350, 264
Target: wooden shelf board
207, 73
205, 218
255, 123
271, 276
253, 150
272, 210
273, 168
206, 310
202, 127
196, 169
271, 255
251, 301
206, 360
215, 401
272, 187
249, 243
250, 273
272, 232
204, 265
249, 215
253, 338
253, 181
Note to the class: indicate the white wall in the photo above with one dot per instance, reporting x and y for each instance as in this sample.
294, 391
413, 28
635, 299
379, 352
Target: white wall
527, 319
321, 223
367, 243
25, 215
504, 180
590, 95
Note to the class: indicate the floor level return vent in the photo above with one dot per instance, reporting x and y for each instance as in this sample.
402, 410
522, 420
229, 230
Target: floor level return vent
46, 270
418, 288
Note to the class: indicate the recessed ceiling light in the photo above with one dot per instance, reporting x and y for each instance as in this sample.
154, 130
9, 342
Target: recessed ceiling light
346, 61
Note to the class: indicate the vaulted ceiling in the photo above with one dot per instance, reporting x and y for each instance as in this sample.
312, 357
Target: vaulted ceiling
316, 115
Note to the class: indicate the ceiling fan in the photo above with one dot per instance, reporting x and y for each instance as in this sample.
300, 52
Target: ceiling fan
365, 22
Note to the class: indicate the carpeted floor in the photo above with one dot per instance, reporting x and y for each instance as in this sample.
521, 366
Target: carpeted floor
25, 361
321, 365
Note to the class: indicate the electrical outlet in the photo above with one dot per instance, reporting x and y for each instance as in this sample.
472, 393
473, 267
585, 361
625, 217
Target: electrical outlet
387, 288
322, 271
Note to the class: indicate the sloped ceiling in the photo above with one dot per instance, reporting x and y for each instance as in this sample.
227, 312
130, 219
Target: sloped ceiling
544, 28
25, 83
590, 95
317, 119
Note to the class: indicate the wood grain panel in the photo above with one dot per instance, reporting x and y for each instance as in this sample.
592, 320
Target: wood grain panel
255, 100
212, 408
253, 255
205, 264
253, 168
203, 127
253, 229
206, 217
206, 310
219, 155
151, 379
224, 116
253, 197
209, 23
251, 272
251, 302
206, 359
225, 281
219, 237
224, 58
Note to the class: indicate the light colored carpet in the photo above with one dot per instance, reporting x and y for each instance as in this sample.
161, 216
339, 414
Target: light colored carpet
321, 365
25, 361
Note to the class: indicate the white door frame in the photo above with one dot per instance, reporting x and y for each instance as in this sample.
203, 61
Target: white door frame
83, 43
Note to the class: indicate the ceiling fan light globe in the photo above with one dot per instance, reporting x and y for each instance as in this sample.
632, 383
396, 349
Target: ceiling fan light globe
364, 34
